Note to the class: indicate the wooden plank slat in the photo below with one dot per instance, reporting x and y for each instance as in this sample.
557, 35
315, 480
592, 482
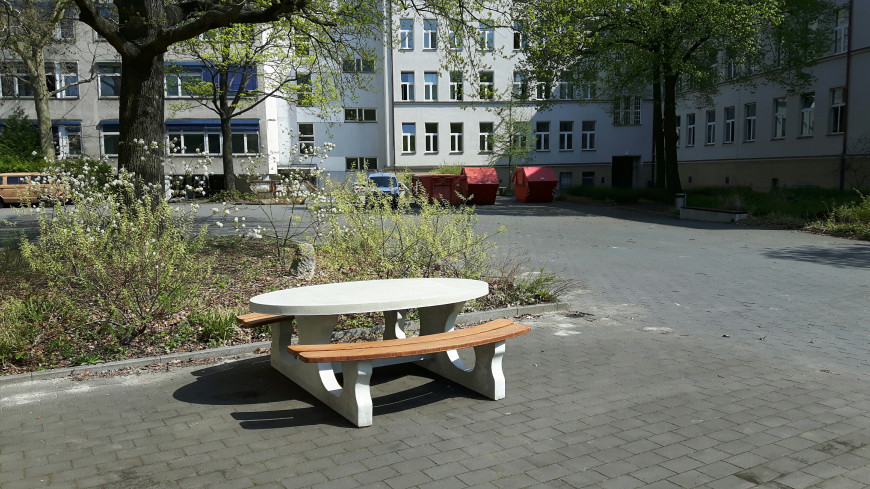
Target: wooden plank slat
498, 323
436, 343
254, 319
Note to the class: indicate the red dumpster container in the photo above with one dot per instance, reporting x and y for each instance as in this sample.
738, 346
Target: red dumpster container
535, 183
441, 187
482, 184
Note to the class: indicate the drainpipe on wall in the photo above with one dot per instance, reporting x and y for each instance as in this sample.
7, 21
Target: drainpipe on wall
389, 106
845, 148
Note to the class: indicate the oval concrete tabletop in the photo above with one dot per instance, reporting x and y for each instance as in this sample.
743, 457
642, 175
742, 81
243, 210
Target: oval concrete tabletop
368, 296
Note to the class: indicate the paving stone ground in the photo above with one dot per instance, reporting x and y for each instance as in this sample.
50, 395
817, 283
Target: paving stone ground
656, 378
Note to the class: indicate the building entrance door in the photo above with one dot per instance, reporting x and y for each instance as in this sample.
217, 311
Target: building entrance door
622, 171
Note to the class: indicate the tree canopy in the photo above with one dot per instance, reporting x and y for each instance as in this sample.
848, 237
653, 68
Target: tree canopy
640, 46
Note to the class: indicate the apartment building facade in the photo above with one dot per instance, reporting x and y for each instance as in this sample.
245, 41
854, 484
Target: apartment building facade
85, 116
418, 114
771, 136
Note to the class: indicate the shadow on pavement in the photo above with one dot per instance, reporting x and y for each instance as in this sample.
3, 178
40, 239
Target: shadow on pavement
253, 382
850, 256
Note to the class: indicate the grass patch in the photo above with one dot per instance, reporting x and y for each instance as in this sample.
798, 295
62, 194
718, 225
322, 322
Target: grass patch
589, 194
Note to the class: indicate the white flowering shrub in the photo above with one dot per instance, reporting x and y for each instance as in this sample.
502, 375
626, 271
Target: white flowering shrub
132, 260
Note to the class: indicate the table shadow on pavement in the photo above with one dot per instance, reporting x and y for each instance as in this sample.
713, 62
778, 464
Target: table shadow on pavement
253, 382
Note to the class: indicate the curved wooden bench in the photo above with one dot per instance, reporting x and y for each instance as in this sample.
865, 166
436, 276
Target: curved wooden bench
255, 319
491, 332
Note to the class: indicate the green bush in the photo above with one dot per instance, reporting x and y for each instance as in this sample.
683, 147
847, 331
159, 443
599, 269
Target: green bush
387, 240
134, 260
624, 196
19, 145
447, 170
850, 220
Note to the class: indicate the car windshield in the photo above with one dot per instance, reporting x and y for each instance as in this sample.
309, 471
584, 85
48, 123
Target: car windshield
384, 181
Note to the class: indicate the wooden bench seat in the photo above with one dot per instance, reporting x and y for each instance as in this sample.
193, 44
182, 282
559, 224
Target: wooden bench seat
255, 319
491, 332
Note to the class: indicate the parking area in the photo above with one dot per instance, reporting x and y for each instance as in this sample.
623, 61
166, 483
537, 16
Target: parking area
692, 355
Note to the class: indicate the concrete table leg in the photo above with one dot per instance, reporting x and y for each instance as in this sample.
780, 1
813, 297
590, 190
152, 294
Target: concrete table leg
486, 377
353, 400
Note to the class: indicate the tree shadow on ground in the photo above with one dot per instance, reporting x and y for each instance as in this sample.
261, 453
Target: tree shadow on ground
253, 382
848, 256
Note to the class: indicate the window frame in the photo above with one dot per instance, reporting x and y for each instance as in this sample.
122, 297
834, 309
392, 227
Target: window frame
710, 129
305, 138
406, 34
808, 114
360, 114
841, 30
566, 135
485, 140
837, 124
542, 136
486, 35
780, 118
430, 88
103, 73
690, 130
750, 122
409, 138
730, 127
431, 137
457, 138
430, 34
406, 86
486, 87
587, 136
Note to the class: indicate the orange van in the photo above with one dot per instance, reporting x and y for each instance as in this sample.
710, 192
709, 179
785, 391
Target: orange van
18, 188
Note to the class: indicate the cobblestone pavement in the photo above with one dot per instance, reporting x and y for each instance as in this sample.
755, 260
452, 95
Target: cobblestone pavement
658, 377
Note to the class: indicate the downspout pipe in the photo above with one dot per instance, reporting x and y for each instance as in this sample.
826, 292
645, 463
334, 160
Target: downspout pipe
845, 149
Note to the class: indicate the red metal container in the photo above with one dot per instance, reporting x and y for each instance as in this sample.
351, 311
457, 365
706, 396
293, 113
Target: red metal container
535, 183
452, 189
482, 184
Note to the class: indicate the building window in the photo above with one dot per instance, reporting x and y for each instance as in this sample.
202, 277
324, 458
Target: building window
587, 135
13, 84
566, 135
838, 110
808, 113
779, 117
710, 134
306, 138
521, 85
456, 85
565, 91
111, 140
487, 85
519, 37
109, 77
749, 122
358, 65
187, 142
65, 29
431, 129
67, 140
456, 137
59, 75
543, 91
407, 85
542, 136
841, 31
626, 111
430, 86
303, 90
587, 178
679, 124
430, 34
179, 80
487, 37
360, 115
728, 136
406, 34
360, 163
486, 129
454, 36
690, 129
409, 137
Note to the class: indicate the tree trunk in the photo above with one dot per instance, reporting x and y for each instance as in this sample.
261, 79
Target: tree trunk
36, 70
670, 130
227, 155
142, 120
658, 131
226, 115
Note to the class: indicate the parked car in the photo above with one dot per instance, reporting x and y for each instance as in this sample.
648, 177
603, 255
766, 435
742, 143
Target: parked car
385, 183
27, 188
